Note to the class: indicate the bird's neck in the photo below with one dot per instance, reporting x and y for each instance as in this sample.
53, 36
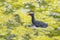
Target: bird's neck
33, 19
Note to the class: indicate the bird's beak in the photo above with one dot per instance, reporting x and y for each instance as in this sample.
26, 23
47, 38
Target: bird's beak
28, 14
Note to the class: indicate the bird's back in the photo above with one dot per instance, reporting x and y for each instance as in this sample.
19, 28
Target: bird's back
40, 24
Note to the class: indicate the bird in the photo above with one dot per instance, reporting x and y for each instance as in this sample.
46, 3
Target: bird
37, 23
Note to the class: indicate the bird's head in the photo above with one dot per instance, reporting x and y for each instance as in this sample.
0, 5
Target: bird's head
31, 13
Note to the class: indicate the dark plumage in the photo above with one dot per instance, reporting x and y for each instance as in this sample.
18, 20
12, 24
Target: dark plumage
37, 23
